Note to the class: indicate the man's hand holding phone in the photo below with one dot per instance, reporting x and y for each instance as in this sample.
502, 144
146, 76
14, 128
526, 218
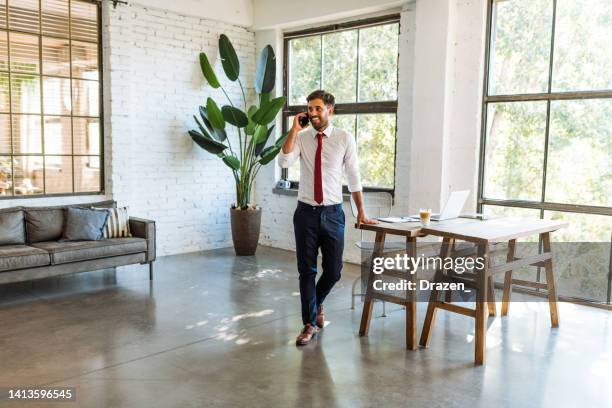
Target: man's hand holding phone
300, 121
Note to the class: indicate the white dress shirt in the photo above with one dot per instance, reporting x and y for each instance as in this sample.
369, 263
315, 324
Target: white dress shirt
339, 149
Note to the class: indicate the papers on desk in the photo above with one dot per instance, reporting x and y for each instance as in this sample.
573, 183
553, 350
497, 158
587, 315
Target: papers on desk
397, 220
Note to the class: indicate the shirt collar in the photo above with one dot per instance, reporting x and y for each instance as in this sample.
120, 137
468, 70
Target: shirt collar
327, 132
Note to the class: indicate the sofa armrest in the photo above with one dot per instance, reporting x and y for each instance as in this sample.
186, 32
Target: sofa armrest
141, 228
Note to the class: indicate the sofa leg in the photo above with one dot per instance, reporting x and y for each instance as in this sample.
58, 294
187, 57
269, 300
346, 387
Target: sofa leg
151, 271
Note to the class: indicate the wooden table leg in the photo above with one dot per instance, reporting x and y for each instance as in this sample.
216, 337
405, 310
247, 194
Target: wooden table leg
481, 299
411, 329
430, 317
550, 281
491, 297
508, 278
366, 314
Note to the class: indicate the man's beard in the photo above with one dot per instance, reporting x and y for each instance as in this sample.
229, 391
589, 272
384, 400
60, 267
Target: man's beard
321, 124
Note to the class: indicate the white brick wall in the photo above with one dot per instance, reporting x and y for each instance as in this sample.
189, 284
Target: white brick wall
152, 87
156, 86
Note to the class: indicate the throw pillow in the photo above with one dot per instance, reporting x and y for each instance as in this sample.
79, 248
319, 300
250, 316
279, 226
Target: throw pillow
84, 224
117, 224
12, 231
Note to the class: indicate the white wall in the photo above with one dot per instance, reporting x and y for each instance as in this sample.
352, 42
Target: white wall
440, 77
269, 14
238, 12
156, 86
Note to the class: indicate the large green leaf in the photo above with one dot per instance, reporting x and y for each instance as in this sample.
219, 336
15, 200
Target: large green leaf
265, 74
268, 154
206, 143
218, 134
208, 71
214, 114
268, 111
264, 98
259, 146
229, 59
232, 162
250, 129
234, 116
260, 134
281, 140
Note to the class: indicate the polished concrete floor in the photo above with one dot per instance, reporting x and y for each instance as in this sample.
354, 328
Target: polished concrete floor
217, 330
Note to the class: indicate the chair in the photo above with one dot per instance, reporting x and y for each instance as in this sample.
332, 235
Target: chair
390, 247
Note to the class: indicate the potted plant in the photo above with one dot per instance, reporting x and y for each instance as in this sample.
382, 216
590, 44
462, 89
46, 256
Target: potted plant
253, 125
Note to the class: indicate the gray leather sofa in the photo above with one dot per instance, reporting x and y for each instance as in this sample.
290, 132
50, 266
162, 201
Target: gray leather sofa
30, 247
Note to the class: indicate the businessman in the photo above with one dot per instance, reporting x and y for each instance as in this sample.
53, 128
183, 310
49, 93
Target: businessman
318, 220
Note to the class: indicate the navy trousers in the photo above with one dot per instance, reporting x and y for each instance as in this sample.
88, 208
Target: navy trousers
317, 227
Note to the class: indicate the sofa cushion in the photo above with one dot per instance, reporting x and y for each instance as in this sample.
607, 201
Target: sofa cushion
74, 251
21, 257
44, 224
47, 223
84, 224
12, 229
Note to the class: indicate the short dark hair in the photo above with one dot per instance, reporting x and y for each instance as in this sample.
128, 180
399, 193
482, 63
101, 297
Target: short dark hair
325, 96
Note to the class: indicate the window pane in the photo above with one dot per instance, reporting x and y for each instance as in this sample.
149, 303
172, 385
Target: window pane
24, 15
3, 14
376, 149
84, 60
55, 18
515, 150
58, 135
85, 97
6, 178
304, 68
520, 46
579, 168
86, 136
346, 122
340, 65
58, 174
294, 170
583, 54
86, 173
57, 96
24, 53
84, 19
378, 50
25, 93
56, 56
495, 211
5, 133
4, 92
27, 136
3, 51
28, 175
582, 270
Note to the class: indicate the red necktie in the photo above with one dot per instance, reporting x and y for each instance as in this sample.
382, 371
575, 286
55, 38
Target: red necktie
318, 179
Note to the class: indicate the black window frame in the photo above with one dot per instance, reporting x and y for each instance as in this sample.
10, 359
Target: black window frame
549, 96
342, 108
100, 117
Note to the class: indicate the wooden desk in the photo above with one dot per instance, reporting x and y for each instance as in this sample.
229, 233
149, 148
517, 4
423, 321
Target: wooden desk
482, 233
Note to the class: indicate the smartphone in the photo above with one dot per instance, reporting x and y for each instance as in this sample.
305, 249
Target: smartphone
304, 120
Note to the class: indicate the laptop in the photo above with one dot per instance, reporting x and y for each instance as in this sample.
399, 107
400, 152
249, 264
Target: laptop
453, 206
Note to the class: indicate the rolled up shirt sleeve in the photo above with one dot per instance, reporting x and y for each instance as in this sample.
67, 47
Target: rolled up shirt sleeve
286, 160
351, 165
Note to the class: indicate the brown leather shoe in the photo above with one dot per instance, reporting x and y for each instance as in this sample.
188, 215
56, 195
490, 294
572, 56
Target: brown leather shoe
320, 317
307, 334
